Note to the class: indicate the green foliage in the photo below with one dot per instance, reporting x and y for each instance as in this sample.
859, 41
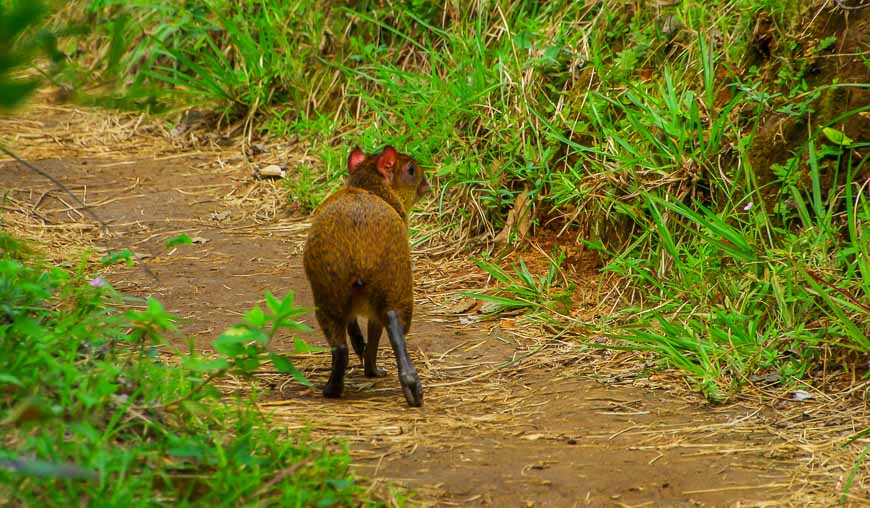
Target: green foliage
741, 290
522, 290
640, 123
17, 18
24, 38
92, 409
181, 239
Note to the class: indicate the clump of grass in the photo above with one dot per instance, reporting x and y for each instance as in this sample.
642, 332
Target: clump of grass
736, 293
519, 289
92, 409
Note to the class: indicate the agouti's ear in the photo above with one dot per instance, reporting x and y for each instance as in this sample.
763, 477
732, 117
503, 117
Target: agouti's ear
355, 158
387, 163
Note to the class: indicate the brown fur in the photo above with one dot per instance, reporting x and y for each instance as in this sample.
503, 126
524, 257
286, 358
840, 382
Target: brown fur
357, 258
358, 235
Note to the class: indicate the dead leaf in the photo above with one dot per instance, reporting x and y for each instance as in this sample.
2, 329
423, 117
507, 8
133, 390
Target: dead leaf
519, 220
270, 171
220, 216
800, 395
533, 437
467, 320
462, 305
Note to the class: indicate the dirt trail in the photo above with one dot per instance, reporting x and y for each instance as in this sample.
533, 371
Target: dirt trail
505, 422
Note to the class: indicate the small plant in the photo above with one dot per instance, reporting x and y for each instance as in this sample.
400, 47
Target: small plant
244, 345
92, 409
522, 290
181, 239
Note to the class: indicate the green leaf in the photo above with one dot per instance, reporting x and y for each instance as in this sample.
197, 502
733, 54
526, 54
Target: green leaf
255, 317
181, 239
300, 346
285, 366
9, 379
837, 137
272, 303
113, 257
13, 93
201, 365
187, 449
826, 43
232, 341
249, 364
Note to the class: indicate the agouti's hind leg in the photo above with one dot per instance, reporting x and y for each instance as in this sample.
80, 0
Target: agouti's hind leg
408, 378
335, 385
356, 338
335, 334
371, 357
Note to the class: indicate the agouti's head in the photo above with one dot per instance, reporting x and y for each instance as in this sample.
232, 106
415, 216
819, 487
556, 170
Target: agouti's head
402, 173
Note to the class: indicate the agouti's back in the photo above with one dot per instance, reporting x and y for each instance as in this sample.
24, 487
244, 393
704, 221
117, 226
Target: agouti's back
357, 257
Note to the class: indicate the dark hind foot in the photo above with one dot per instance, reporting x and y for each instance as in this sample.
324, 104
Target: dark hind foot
375, 371
411, 385
412, 388
335, 385
333, 391
371, 357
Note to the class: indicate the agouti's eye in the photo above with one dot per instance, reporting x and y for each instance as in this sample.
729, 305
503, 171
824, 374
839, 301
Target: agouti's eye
411, 169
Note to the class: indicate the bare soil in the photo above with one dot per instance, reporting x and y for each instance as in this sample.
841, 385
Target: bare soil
511, 417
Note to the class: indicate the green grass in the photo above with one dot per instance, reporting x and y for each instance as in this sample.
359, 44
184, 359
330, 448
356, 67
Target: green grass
20, 40
643, 127
520, 289
96, 407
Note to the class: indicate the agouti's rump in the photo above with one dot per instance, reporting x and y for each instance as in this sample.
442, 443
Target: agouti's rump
357, 258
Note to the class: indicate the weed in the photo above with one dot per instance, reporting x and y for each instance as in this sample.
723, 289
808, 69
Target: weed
522, 290
21, 38
94, 408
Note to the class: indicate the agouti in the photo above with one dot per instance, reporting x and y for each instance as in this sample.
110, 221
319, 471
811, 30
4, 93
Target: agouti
358, 262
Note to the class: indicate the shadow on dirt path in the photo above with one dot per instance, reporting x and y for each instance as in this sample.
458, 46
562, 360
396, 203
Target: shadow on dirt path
503, 423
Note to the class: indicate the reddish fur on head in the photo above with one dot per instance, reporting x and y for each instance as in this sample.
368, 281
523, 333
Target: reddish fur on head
354, 160
387, 163
399, 172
